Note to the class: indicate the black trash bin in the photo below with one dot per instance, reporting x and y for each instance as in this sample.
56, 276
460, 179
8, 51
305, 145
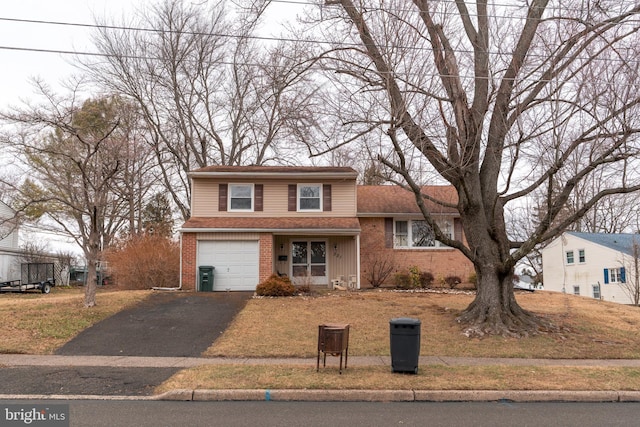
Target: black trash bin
206, 278
405, 344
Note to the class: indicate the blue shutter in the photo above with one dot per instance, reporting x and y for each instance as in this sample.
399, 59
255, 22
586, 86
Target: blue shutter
623, 276
606, 276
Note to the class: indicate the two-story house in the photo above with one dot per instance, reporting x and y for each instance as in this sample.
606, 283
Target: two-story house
314, 224
597, 265
10, 252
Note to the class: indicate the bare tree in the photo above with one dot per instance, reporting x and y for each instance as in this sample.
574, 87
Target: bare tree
72, 156
209, 92
35, 251
505, 101
138, 178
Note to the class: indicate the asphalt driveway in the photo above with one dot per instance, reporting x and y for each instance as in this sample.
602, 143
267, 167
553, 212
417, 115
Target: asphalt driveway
171, 324
168, 323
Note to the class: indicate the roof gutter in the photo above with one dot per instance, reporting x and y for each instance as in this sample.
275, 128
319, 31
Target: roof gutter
281, 175
323, 231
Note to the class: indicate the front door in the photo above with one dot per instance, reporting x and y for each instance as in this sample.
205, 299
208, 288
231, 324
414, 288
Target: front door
309, 262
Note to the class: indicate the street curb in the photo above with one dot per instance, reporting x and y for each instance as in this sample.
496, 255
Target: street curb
517, 396
291, 395
286, 395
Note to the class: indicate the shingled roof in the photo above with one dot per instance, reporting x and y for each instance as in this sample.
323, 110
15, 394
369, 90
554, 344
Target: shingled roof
393, 199
620, 242
343, 225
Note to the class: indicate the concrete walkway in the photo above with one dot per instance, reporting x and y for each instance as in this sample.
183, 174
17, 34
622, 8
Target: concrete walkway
188, 362
18, 360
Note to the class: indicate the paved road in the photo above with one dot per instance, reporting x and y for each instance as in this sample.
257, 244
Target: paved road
352, 414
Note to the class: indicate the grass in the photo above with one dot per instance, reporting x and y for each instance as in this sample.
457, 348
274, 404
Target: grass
288, 327
38, 324
429, 378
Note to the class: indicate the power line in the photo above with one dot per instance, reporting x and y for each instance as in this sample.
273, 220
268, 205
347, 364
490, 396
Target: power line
106, 55
209, 34
213, 34
100, 54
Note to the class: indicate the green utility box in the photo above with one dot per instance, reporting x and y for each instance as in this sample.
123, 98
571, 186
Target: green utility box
405, 344
205, 278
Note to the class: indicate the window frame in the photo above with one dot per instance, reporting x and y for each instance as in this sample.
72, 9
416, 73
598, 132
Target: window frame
446, 225
567, 254
582, 256
596, 291
299, 197
230, 197
615, 275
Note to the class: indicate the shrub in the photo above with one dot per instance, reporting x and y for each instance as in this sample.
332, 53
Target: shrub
379, 267
473, 279
145, 261
402, 280
276, 286
414, 277
452, 281
304, 289
426, 279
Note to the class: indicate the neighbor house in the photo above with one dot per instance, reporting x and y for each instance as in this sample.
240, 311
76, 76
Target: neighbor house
596, 265
10, 253
314, 224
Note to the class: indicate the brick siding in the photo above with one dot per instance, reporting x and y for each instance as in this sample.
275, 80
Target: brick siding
189, 261
266, 257
439, 262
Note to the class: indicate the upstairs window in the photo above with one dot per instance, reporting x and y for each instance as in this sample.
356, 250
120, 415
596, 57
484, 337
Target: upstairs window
581, 256
241, 197
309, 197
569, 257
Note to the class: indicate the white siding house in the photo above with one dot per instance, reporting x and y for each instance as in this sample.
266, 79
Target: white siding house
595, 265
9, 245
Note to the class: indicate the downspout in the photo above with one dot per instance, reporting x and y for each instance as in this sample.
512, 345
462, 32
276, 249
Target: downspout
180, 278
358, 261
562, 258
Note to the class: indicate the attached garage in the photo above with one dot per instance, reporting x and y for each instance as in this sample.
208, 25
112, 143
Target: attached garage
236, 263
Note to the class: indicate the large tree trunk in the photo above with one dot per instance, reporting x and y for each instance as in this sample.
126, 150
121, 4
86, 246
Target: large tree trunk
91, 285
495, 309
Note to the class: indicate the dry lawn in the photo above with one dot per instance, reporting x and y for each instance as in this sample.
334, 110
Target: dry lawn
36, 323
288, 327
381, 378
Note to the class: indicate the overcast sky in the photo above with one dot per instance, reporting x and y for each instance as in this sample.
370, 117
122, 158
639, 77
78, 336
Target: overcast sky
18, 63
19, 60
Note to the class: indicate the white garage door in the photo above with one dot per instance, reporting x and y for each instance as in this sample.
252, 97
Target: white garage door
235, 262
